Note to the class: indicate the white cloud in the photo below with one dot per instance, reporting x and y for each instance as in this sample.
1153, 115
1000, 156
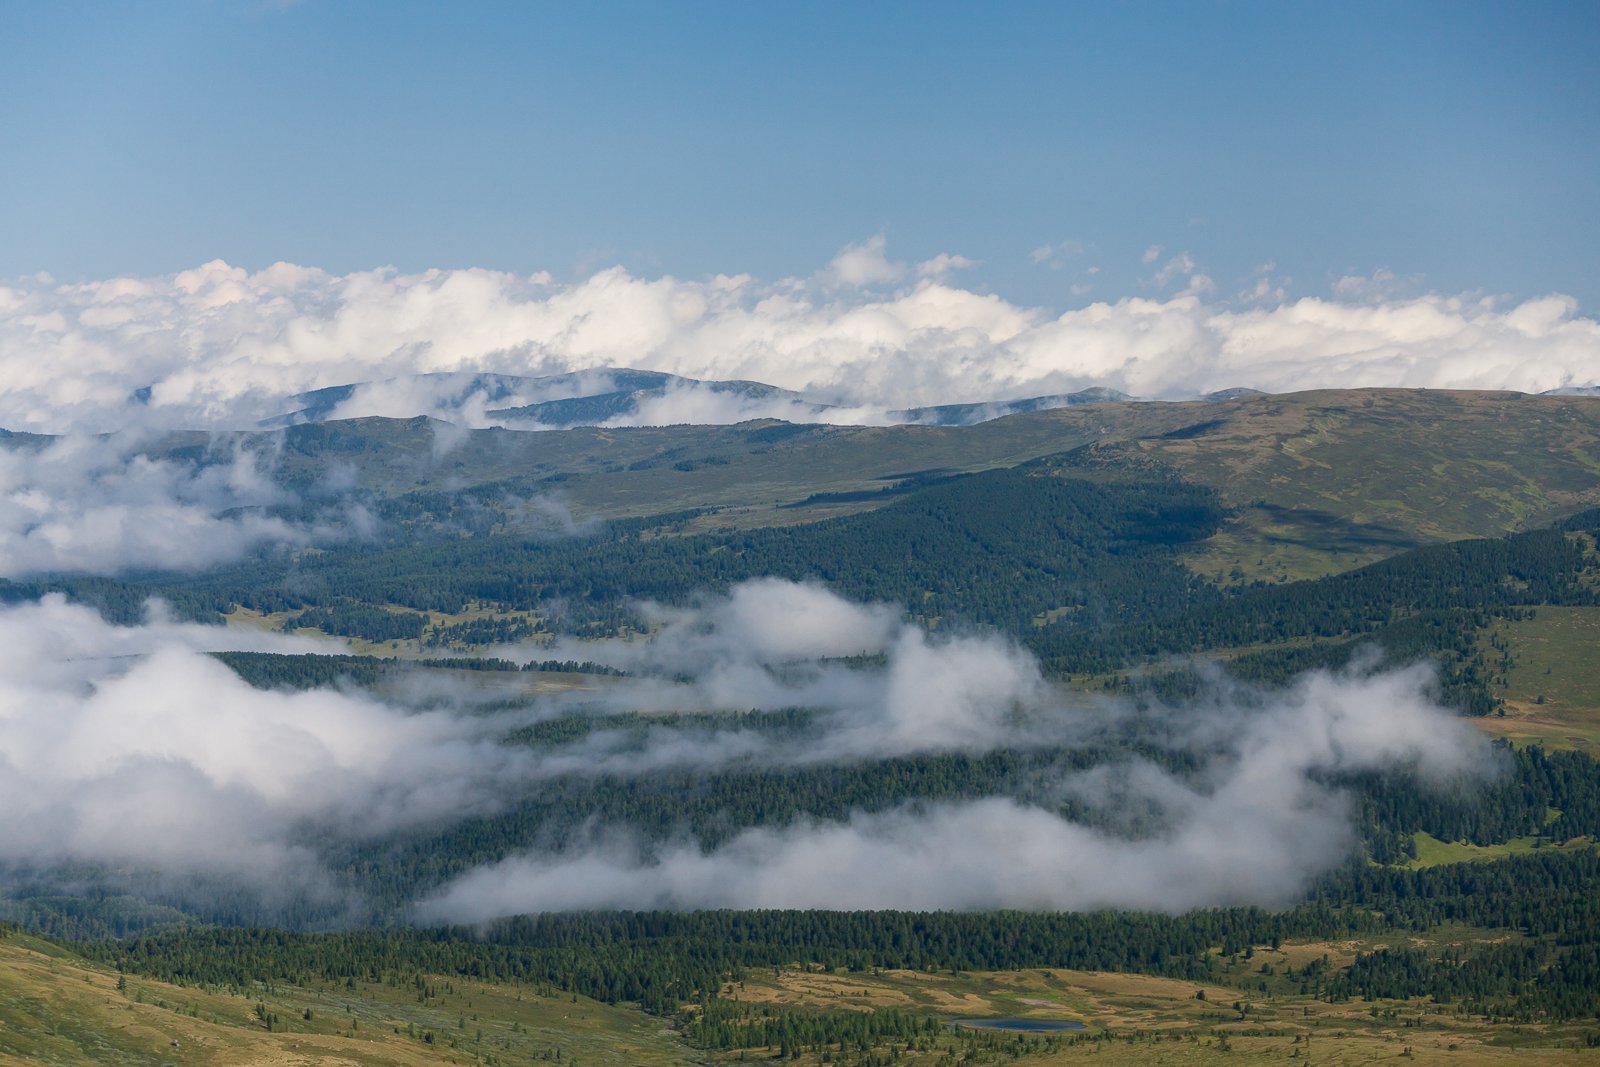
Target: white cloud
220, 347
943, 264
756, 647
128, 747
1382, 284
1269, 289
1182, 265
704, 406
98, 505
1254, 831
865, 264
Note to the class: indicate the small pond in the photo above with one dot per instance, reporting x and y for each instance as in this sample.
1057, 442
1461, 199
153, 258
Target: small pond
1018, 1026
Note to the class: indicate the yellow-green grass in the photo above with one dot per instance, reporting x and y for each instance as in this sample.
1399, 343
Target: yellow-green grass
1556, 656
1431, 852
1283, 545
246, 618
1252, 1016
57, 1009
1552, 691
1436, 464
274, 621
1430, 466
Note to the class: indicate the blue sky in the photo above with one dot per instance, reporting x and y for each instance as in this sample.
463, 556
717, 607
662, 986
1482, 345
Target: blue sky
1454, 145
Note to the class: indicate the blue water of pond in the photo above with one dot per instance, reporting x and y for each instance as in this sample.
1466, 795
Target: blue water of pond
1020, 1026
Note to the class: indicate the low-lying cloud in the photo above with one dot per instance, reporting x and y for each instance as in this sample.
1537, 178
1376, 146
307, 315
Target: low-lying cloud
218, 346
771, 643
128, 748
99, 505
1254, 829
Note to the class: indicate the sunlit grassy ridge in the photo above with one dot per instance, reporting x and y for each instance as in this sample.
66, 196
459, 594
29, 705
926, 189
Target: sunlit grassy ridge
58, 1009
1326, 479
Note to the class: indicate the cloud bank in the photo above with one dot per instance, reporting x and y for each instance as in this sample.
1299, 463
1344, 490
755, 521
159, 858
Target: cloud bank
218, 346
1254, 830
125, 748
129, 747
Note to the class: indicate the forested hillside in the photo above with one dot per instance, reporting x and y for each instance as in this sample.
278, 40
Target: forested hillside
1083, 635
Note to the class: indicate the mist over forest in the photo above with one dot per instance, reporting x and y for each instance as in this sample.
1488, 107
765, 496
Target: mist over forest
278, 675
1114, 684
833, 535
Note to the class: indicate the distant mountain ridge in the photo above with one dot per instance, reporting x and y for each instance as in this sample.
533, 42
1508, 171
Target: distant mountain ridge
630, 389
970, 414
624, 396
557, 401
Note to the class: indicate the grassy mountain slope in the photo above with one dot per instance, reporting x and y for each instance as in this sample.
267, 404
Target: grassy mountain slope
60, 1010
1333, 478
1323, 480
1319, 481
